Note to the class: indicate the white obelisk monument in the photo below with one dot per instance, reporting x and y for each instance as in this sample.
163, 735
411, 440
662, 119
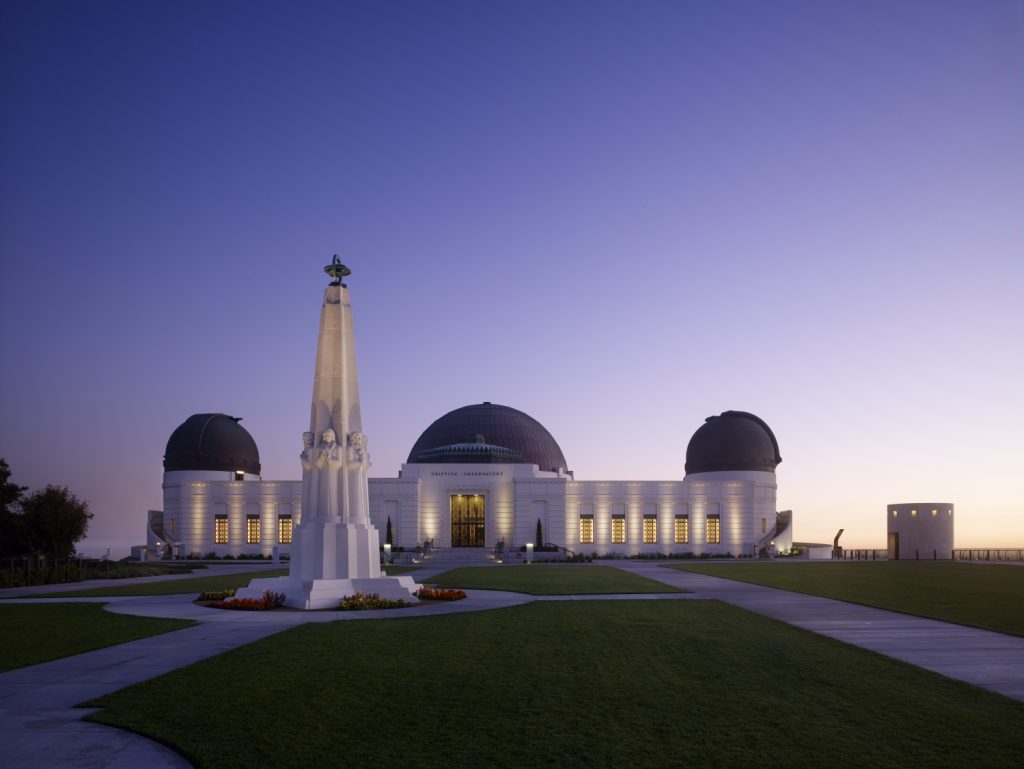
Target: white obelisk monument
335, 548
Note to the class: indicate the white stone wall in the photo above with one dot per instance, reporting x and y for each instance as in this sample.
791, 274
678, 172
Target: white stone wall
418, 502
190, 507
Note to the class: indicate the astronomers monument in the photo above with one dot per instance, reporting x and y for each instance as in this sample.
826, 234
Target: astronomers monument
336, 550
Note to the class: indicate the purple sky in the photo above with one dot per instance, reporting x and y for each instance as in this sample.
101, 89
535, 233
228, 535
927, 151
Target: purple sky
618, 217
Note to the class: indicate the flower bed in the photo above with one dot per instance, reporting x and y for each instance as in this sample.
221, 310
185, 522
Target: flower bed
268, 601
361, 601
439, 594
216, 595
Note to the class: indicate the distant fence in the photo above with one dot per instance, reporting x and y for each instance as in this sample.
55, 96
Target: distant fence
989, 554
864, 555
22, 572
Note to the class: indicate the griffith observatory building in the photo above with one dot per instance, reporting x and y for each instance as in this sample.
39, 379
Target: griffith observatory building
483, 476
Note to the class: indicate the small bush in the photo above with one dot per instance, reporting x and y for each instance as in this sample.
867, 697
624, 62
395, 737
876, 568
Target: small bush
268, 601
216, 595
439, 594
361, 601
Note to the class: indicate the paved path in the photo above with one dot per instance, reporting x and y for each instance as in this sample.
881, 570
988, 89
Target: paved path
993, 661
40, 727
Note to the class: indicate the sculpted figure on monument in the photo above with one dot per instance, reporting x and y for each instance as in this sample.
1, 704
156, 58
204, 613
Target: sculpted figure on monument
330, 462
359, 463
308, 458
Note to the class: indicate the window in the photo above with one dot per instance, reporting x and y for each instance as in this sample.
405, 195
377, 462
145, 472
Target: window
934, 513
220, 530
764, 525
252, 529
650, 529
284, 529
618, 529
682, 529
586, 529
913, 513
714, 529
895, 513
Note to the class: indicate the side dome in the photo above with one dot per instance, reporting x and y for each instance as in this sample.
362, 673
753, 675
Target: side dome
734, 440
212, 442
487, 432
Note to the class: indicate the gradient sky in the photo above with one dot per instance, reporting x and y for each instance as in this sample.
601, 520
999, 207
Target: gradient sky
619, 217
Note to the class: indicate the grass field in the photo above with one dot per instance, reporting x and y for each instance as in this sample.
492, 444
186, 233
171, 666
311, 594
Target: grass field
568, 684
981, 595
394, 571
34, 633
170, 587
551, 579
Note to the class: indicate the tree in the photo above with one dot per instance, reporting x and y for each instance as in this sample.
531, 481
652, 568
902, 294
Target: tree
540, 534
54, 520
389, 537
13, 540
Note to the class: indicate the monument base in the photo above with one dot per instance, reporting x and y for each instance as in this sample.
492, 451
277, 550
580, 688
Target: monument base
332, 560
326, 593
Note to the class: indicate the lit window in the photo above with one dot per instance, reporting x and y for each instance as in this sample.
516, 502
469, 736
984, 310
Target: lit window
586, 529
764, 525
650, 529
682, 529
913, 513
714, 529
895, 513
950, 511
252, 529
618, 529
934, 513
284, 529
220, 530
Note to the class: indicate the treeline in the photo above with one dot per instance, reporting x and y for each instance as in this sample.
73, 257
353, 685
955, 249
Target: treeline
46, 522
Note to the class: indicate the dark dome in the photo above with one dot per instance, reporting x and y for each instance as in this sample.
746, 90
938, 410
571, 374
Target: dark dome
212, 442
488, 433
735, 440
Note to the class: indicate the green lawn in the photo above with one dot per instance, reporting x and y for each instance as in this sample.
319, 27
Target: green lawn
171, 587
568, 684
34, 633
982, 595
551, 579
394, 571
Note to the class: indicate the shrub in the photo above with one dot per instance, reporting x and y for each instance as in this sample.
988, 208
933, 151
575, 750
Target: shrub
439, 594
361, 601
268, 601
216, 595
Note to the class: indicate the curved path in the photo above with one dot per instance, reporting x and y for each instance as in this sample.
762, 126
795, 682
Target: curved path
41, 727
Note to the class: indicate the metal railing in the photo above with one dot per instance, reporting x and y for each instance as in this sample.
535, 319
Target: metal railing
851, 554
989, 554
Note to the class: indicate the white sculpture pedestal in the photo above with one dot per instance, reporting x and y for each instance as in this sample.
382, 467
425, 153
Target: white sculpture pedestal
325, 555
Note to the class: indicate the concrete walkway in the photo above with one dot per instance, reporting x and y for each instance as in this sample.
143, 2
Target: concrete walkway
993, 661
40, 727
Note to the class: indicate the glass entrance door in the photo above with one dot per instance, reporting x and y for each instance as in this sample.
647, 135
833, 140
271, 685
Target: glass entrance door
467, 520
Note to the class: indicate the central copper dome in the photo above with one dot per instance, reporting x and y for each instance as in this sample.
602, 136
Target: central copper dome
488, 432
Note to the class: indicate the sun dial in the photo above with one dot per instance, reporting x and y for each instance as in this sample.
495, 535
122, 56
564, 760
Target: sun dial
337, 271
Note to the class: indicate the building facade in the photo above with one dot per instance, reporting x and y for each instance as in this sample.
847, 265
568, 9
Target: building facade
485, 476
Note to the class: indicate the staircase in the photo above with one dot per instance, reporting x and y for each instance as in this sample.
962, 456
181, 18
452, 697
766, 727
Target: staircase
460, 556
782, 522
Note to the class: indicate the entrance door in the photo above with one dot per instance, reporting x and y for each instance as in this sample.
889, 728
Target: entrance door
894, 546
467, 520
